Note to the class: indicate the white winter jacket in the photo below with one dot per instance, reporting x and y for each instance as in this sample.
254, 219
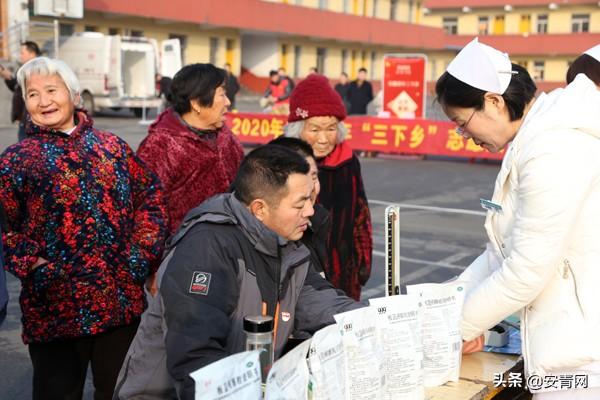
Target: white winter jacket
544, 252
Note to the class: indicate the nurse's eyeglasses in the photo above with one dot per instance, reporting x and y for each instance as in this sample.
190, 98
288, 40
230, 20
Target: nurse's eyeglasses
462, 129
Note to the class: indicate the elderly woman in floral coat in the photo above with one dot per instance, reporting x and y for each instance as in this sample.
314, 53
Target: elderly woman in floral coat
86, 226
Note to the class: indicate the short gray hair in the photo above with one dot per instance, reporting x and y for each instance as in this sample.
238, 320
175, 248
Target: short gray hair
294, 129
48, 66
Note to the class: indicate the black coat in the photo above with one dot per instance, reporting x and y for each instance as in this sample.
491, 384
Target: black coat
18, 111
232, 86
359, 97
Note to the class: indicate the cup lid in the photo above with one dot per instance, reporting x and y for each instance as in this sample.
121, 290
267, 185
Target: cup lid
258, 323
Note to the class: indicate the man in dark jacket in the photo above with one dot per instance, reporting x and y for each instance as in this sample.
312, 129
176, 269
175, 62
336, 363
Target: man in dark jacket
360, 94
342, 88
29, 50
235, 255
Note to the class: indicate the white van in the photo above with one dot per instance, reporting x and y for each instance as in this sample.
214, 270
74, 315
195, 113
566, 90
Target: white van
118, 71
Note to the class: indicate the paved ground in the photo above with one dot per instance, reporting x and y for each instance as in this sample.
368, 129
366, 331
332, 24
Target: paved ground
435, 244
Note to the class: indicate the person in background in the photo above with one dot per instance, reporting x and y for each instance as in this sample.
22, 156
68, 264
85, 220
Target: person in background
283, 74
316, 117
163, 88
277, 95
232, 86
544, 243
86, 226
313, 70
360, 94
189, 147
588, 63
29, 50
342, 88
245, 246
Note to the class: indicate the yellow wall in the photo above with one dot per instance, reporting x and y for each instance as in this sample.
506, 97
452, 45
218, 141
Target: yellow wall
559, 21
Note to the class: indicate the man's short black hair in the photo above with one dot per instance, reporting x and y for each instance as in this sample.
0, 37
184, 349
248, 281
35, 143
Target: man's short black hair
298, 145
264, 173
272, 73
363, 69
32, 47
196, 82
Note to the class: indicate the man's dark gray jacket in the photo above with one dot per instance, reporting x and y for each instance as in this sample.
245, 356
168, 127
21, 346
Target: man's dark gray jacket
223, 265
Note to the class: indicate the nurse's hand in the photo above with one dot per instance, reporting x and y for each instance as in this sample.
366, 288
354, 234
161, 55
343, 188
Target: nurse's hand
473, 346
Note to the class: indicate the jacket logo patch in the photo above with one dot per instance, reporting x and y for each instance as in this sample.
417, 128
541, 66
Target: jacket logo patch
285, 316
200, 283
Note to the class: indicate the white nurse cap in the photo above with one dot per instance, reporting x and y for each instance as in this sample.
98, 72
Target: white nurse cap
482, 67
594, 52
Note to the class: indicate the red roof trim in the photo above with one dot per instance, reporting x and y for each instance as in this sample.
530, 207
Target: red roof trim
262, 16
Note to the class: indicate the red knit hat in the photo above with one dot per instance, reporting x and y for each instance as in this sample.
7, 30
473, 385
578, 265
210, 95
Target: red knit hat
314, 97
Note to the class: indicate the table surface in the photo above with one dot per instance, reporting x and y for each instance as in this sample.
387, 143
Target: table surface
476, 377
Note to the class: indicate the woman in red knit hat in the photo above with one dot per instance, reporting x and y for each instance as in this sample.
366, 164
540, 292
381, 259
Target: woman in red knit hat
316, 115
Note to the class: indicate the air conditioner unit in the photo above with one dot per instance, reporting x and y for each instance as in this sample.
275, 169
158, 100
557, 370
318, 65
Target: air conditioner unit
58, 8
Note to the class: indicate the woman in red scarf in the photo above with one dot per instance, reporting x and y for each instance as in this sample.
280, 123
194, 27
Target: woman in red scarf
316, 115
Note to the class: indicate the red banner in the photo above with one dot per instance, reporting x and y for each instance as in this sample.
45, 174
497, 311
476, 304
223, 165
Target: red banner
404, 86
386, 135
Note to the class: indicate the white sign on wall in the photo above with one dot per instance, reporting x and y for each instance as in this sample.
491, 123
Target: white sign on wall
58, 8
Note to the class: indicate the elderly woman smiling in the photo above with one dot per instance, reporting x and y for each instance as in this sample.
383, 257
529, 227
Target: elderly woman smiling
86, 227
316, 115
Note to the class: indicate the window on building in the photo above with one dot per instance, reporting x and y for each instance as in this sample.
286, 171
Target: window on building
66, 29
229, 51
363, 59
183, 41
433, 70
538, 70
297, 55
523, 63
580, 23
346, 6
542, 24
136, 33
373, 65
375, 6
298, 2
323, 4
409, 17
213, 50
450, 25
483, 25
499, 25
344, 61
393, 9
355, 7
321, 56
353, 65
284, 56
90, 28
114, 31
525, 24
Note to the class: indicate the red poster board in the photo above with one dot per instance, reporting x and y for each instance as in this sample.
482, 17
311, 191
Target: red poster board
404, 86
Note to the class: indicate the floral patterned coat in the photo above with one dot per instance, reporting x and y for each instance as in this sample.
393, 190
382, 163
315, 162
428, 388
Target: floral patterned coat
84, 202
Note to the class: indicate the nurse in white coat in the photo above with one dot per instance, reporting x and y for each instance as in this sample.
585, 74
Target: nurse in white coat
543, 223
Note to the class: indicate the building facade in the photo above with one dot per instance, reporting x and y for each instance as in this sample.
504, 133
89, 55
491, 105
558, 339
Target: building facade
335, 36
543, 36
